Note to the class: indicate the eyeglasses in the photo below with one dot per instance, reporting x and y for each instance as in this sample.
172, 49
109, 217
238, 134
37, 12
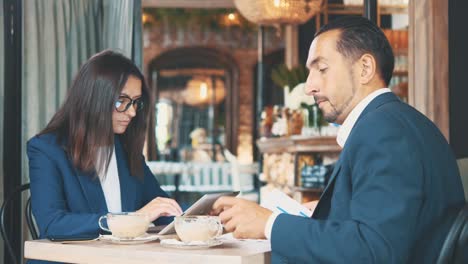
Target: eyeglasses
124, 102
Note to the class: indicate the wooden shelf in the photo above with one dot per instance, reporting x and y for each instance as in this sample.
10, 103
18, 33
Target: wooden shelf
311, 190
401, 51
341, 9
295, 144
400, 73
284, 157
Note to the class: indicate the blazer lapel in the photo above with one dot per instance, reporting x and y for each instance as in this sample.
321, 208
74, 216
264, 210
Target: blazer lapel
90, 186
378, 101
322, 208
92, 190
128, 188
335, 172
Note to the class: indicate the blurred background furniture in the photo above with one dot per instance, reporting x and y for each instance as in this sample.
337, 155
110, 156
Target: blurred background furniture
7, 238
187, 181
463, 167
293, 163
455, 247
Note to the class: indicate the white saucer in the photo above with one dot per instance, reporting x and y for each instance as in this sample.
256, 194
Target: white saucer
137, 240
175, 243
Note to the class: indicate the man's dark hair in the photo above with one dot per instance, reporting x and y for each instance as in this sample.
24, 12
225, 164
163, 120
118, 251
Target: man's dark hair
359, 36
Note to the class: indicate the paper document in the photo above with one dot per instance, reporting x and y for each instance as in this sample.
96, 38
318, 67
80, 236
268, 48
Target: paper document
278, 201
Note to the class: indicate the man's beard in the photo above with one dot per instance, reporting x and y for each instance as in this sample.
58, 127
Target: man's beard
335, 112
331, 116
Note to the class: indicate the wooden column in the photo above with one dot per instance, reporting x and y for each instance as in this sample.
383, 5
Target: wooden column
260, 89
428, 60
291, 37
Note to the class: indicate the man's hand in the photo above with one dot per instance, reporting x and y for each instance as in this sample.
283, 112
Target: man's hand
244, 218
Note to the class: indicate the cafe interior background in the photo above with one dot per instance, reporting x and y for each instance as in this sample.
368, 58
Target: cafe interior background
227, 78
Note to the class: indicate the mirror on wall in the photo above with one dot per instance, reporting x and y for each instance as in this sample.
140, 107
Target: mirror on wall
195, 111
191, 114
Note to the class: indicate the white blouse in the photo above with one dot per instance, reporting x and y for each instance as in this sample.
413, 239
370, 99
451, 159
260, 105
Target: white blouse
111, 186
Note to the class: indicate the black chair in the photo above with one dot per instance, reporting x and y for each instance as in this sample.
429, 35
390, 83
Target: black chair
28, 215
455, 247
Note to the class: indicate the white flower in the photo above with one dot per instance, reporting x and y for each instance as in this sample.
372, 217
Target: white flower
280, 128
298, 96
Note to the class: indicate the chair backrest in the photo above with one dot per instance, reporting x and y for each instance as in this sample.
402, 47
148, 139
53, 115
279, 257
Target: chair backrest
461, 253
27, 214
236, 180
463, 168
455, 247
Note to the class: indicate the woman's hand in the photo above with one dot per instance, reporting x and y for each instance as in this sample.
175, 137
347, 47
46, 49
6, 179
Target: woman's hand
161, 206
311, 205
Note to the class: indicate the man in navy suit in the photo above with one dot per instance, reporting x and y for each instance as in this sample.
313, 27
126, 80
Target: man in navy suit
395, 189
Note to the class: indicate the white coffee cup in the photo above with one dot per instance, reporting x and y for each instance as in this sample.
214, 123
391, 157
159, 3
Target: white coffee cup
198, 227
125, 225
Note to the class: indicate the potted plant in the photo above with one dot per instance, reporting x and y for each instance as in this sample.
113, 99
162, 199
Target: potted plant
296, 98
288, 78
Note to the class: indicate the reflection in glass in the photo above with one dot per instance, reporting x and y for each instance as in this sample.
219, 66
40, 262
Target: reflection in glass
164, 115
191, 113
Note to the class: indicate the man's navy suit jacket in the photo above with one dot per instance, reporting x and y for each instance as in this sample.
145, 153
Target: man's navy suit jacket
391, 198
67, 201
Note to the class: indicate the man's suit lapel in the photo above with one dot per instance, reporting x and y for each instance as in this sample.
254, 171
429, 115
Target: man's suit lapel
92, 190
378, 101
323, 207
335, 172
128, 188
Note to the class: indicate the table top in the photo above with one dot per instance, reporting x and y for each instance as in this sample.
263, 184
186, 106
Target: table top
231, 251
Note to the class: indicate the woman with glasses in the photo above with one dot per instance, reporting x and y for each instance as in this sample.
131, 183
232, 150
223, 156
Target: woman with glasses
88, 160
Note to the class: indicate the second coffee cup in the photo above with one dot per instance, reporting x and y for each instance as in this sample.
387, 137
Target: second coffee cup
200, 228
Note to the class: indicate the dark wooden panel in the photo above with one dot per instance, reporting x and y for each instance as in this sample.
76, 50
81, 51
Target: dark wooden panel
458, 54
12, 119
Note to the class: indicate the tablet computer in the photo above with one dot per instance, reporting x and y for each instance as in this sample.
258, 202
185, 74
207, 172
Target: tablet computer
201, 207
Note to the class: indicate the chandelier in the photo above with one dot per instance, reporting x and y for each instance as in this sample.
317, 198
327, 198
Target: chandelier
199, 91
270, 12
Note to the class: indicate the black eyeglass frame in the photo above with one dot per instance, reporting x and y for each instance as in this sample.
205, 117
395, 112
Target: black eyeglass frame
133, 102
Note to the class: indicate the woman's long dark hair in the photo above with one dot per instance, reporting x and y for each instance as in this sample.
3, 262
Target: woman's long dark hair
84, 121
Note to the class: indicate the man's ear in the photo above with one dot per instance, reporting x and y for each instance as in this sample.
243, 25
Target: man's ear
367, 66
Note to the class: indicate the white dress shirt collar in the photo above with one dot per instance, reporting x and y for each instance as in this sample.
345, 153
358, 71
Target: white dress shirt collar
348, 124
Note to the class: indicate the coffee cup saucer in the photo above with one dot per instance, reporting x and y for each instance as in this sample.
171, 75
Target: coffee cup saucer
129, 241
175, 243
